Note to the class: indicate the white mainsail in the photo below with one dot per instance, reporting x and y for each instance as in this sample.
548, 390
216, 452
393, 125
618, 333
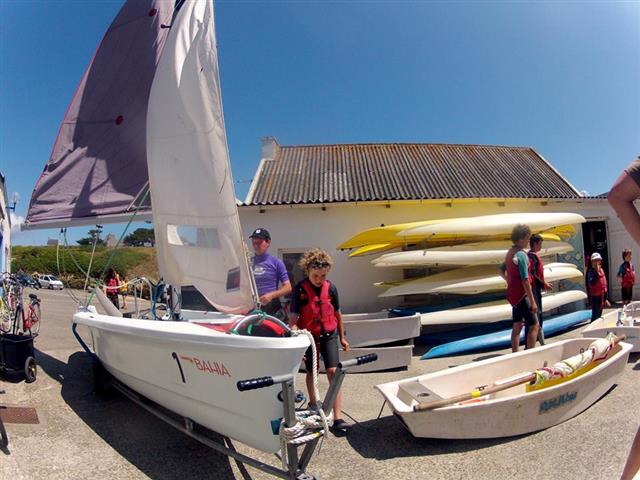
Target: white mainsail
197, 229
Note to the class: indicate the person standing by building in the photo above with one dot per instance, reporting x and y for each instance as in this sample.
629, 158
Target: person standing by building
623, 193
519, 293
627, 276
270, 273
597, 285
315, 307
536, 269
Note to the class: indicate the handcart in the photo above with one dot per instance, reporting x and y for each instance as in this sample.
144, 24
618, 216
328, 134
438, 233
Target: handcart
16, 356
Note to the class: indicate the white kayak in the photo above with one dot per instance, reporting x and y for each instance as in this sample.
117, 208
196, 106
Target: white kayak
480, 253
629, 326
495, 311
495, 224
473, 280
497, 405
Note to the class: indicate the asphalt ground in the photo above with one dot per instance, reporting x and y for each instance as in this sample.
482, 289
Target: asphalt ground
82, 436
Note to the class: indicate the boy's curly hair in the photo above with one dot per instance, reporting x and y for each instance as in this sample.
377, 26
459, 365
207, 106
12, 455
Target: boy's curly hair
519, 232
315, 258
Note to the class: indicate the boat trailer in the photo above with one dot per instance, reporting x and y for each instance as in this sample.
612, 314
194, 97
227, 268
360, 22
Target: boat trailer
297, 463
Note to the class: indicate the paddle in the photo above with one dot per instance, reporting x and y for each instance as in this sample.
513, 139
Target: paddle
498, 386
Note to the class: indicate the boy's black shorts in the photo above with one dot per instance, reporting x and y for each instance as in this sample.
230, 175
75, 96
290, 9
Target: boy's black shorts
327, 346
522, 313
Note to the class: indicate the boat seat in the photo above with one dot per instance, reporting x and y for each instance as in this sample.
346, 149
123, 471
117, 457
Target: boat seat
416, 391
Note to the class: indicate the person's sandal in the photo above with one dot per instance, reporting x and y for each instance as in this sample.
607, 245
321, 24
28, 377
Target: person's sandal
341, 425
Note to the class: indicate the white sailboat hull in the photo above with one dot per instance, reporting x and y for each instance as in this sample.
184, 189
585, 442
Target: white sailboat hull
509, 412
602, 326
192, 370
363, 330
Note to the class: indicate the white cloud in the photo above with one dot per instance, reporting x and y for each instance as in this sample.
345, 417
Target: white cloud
16, 222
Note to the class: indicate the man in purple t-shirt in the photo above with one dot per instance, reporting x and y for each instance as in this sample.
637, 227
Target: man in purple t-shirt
269, 272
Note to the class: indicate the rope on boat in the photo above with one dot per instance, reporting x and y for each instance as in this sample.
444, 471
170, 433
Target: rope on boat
308, 422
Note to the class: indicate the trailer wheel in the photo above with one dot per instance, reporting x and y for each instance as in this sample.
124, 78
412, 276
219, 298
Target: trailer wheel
101, 380
30, 370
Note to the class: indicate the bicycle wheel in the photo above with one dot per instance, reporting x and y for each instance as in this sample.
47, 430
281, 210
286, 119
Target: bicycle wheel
30, 370
34, 319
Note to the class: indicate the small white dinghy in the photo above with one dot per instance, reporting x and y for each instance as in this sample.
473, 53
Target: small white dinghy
628, 325
367, 329
494, 398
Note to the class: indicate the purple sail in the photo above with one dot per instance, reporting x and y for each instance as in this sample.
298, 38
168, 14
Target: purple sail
98, 166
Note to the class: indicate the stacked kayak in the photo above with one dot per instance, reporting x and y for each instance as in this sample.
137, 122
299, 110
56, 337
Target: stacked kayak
447, 232
471, 280
502, 338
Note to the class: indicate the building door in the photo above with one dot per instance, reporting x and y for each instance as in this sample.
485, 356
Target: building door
594, 237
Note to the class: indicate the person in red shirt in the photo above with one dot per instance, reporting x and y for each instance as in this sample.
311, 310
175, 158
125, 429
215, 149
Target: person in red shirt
315, 307
515, 270
627, 276
597, 285
538, 284
112, 286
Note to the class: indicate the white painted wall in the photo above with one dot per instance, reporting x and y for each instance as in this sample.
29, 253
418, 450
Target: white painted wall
304, 227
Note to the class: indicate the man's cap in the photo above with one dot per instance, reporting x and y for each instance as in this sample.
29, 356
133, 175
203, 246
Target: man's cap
596, 256
260, 233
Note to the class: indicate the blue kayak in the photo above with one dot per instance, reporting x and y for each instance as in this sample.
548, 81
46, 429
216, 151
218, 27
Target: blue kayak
502, 338
437, 338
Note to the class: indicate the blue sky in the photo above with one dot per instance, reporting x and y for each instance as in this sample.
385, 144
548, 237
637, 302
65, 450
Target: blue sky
561, 77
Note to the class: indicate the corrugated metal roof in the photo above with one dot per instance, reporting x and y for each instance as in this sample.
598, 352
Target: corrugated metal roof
369, 172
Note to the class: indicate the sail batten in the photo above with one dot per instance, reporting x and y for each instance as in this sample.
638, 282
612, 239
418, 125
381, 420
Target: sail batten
98, 164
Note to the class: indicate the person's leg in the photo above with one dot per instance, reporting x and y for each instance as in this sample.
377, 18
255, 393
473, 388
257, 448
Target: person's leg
596, 307
632, 467
515, 336
532, 321
538, 294
516, 315
337, 404
313, 401
308, 364
621, 197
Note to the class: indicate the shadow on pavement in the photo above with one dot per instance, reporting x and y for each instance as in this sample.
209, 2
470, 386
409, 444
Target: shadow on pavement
386, 438
154, 447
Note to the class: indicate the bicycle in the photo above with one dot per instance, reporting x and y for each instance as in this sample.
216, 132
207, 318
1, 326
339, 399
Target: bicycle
31, 321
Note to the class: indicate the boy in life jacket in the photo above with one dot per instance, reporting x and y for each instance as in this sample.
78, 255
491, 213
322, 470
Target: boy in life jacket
315, 307
597, 285
515, 270
627, 276
538, 284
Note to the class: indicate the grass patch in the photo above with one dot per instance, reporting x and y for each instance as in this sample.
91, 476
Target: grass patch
129, 262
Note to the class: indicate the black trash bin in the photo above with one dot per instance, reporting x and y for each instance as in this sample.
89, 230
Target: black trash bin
16, 355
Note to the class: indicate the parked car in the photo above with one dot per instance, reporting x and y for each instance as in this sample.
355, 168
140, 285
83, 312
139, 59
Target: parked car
50, 281
27, 280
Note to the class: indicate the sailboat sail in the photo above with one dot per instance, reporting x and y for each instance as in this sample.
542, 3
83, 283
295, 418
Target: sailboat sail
197, 228
97, 171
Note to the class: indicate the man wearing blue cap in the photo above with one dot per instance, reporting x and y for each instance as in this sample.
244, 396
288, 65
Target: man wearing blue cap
270, 273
